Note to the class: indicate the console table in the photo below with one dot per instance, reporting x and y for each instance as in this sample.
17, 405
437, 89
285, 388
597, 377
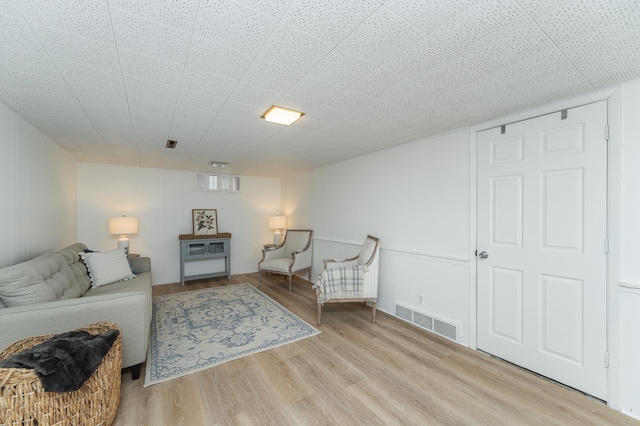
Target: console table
205, 247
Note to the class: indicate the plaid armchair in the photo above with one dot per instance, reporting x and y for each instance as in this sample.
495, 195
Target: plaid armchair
350, 280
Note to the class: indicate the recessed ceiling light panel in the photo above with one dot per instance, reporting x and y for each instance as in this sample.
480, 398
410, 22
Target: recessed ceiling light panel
280, 115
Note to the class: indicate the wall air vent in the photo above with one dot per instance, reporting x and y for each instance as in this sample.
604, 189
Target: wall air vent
171, 144
428, 322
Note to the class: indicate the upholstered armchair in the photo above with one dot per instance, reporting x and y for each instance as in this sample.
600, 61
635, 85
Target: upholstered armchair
293, 255
350, 280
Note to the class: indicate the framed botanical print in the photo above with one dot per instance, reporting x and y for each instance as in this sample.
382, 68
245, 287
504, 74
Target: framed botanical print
205, 221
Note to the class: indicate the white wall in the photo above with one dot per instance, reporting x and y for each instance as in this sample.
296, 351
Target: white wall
630, 250
416, 199
162, 201
37, 189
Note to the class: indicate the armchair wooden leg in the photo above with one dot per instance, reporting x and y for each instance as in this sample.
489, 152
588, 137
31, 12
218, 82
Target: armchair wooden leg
259, 278
289, 283
319, 314
373, 312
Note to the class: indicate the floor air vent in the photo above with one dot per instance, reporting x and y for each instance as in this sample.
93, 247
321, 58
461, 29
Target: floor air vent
428, 322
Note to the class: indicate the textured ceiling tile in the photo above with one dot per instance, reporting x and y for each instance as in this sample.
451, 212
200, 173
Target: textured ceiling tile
150, 38
428, 15
84, 18
537, 67
241, 110
217, 59
610, 55
231, 121
342, 68
200, 115
452, 75
27, 62
139, 88
295, 103
517, 46
140, 117
36, 83
151, 106
78, 49
313, 90
379, 83
349, 100
99, 97
412, 69
14, 31
200, 100
9, 8
189, 126
273, 8
218, 135
89, 76
330, 20
101, 110
540, 8
424, 57
255, 96
382, 36
178, 14
114, 134
262, 129
555, 86
270, 76
42, 103
210, 84
150, 68
233, 25
482, 23
294, 49
582, 17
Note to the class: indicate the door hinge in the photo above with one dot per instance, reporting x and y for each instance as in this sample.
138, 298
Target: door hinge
606, 132
606, 360
606, 246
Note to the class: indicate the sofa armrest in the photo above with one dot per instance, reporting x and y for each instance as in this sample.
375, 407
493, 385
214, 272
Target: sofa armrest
141, 264
127, 309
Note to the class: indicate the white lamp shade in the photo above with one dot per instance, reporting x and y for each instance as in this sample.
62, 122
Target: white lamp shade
277, 222
123, 225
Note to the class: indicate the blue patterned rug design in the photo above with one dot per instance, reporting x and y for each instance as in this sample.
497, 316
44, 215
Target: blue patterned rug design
195, 330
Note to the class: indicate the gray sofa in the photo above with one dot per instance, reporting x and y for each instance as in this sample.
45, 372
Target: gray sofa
29, 307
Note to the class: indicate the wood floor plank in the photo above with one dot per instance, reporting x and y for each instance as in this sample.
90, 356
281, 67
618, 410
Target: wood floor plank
355, 372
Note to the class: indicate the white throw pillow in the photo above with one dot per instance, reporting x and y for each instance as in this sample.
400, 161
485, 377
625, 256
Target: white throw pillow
107, 267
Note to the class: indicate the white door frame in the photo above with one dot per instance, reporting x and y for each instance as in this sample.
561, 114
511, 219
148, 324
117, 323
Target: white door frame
613, 222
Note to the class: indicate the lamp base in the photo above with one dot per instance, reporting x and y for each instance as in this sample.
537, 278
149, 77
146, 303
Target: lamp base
276, 238
123, 243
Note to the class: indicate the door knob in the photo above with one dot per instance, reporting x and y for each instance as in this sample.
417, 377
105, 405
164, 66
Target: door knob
483, 255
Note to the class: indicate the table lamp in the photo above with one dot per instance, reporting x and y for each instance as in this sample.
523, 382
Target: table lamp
123, 226
277, 223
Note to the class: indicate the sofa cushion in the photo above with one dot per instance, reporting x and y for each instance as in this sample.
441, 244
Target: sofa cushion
23, 284
107, 267
77, 266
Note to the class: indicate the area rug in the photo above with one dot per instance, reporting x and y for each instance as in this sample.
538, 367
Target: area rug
195, 330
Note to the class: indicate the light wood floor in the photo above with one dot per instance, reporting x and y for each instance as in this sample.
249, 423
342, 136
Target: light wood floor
355, 373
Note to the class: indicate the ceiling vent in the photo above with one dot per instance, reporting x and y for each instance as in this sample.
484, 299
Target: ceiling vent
171, 144
218, 164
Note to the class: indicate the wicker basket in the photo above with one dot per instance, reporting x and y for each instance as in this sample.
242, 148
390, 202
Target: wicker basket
23, 401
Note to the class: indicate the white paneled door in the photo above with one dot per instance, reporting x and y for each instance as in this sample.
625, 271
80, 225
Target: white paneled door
542, 192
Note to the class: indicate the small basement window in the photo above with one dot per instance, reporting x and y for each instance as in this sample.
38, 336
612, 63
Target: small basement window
216, 182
